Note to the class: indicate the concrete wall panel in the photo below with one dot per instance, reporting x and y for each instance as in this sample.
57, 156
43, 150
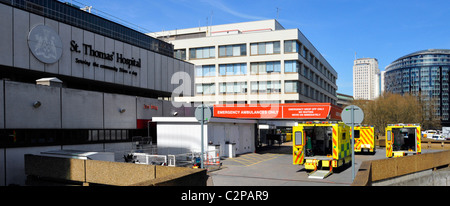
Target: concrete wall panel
82, 109
35, 64
126, 54
164, 73
113, 118
2, 167
88, 70
147, 108
2, 106
158, 71
142, 72
21, 29
109, 48
118, 48
77, 68
19, 110
6, 42
151, 70
170, 72
53, 68
65, 62
99, 45
136, 54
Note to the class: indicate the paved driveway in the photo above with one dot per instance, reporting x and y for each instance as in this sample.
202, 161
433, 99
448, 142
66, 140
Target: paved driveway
273, 167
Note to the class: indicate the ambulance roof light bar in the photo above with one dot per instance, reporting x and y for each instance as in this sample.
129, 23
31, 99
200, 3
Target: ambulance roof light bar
318, 122
403, 124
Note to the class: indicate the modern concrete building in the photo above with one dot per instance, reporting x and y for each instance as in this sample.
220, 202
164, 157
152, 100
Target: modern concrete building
366, 79
344, 100
73, 80
253, 62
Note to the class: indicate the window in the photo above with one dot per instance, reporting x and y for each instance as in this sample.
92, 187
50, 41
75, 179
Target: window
265, 67
205, 71
232, 50
266, 87
265, 48
304, 52
232, 69
233, 88
202, 53
307, 73
291, 66
388, 135
180, 54
298, 138
254, 49
205, 88
306, 90
290, 86
291, 46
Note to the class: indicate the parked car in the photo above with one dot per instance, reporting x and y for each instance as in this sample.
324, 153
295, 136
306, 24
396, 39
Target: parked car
438, 137
429, 133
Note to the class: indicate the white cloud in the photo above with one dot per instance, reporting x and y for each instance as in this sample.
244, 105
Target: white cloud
220, 5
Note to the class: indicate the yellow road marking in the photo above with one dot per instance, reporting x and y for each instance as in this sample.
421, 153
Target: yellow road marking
249, 162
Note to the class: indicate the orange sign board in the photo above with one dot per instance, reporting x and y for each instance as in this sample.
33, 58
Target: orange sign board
279, 111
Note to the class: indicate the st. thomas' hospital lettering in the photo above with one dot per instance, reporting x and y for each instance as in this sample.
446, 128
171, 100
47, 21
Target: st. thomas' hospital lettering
88, 50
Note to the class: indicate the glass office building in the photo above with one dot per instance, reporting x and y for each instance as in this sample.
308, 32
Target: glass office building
423, 72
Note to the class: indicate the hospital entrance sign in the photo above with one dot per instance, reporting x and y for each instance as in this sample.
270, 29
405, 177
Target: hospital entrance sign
279, 111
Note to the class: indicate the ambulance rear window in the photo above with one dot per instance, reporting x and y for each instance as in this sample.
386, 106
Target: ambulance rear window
388, 135
298, 138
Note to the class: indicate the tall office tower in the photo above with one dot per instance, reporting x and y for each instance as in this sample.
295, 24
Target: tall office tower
366, 79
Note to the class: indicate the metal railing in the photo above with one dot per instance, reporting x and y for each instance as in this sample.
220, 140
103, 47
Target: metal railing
192, 159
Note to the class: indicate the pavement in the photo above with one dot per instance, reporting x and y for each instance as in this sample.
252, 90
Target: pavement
272, 166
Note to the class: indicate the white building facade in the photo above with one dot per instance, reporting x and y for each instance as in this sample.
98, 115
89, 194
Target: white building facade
366, 79
253, 62
71, 80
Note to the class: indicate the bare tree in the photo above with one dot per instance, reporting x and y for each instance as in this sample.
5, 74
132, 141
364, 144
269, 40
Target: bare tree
394, 108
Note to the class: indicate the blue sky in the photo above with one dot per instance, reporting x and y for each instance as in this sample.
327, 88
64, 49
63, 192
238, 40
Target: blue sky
382, 29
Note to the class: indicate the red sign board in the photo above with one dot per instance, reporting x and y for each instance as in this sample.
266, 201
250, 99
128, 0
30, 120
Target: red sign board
279, 111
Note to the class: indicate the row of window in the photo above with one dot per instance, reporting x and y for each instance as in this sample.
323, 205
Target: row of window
264, 68
241, 68
260, 48
263, 87
240, 87
41, 137
258, 87
424, 81
290, 86
290, 66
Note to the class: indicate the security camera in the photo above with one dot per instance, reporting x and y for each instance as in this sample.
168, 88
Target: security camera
37, 104
175, 114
